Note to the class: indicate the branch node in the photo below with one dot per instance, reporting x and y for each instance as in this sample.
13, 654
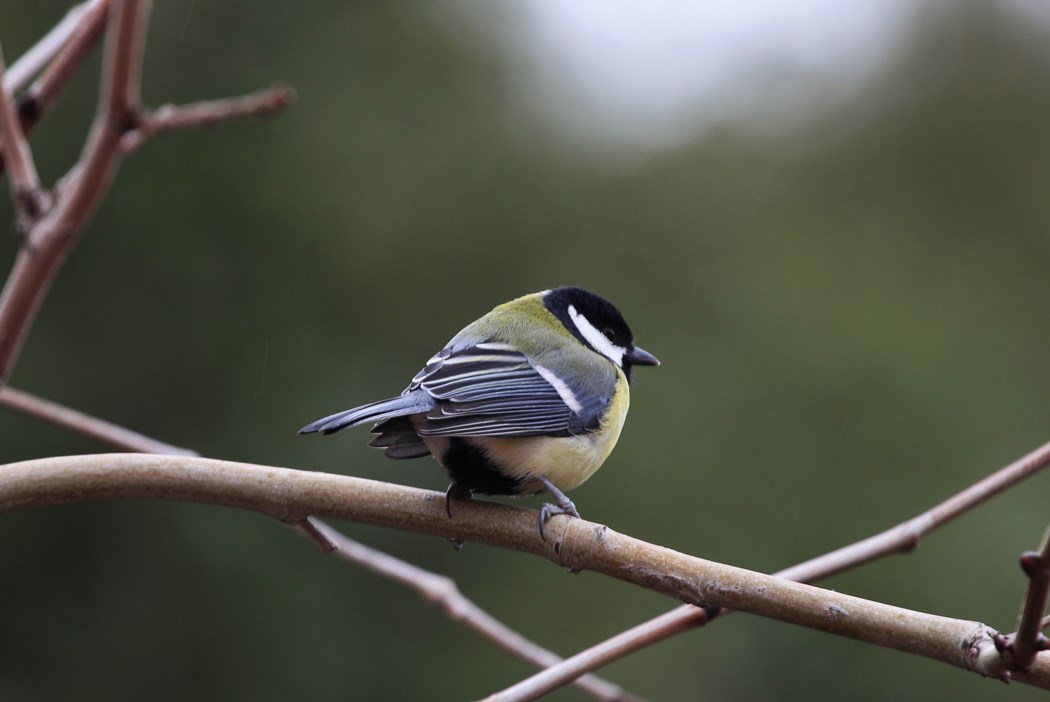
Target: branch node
316, 534
1032, 564
29, 108
33, 204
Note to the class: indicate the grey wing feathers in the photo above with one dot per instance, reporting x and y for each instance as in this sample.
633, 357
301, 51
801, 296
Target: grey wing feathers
398, 436
409, 403
491, 389
484, 389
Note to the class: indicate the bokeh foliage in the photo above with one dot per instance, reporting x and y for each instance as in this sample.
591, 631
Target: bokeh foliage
852, 315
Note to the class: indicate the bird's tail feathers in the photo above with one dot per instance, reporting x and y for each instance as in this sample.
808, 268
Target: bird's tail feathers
411, 403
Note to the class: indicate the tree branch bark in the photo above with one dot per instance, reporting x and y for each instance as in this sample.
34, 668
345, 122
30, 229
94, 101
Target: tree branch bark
292, 496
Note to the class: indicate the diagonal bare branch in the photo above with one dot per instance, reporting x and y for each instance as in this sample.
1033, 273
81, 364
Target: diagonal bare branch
85, 424
443, 593
75, 48
84, 186
902, 538
26, 191
40, 55
122, 70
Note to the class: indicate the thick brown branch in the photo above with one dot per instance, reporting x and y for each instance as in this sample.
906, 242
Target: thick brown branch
438, 590
902, 538
291, 496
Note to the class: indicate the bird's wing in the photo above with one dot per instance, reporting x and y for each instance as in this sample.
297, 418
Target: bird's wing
492, 389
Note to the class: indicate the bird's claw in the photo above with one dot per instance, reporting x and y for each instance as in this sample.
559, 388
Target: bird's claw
455, 490
564, 506
548, 510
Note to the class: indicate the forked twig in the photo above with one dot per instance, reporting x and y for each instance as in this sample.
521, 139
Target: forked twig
50, 237
72, 46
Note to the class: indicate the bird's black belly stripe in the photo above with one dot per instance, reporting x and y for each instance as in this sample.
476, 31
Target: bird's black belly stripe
469, 468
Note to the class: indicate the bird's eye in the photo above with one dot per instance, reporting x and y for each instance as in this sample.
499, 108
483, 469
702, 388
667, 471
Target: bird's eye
609, 332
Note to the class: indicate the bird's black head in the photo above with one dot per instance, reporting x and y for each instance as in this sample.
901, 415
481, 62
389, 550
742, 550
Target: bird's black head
598, 324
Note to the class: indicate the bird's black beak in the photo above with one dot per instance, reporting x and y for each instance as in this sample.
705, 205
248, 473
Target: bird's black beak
640, 357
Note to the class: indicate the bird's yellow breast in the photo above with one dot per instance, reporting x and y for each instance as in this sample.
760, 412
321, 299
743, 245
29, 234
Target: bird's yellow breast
566, 461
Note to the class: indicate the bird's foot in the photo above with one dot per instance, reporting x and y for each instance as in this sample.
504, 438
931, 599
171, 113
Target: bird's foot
564, 506
457, 491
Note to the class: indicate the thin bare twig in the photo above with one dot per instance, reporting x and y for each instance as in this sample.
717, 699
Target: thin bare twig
443, 593
34, 60
26, 192
166, 118
1021, 648
85, 424
902, 538
41, 95
291, 496
122, 76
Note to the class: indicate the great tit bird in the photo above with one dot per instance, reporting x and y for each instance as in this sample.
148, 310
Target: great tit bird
529, 398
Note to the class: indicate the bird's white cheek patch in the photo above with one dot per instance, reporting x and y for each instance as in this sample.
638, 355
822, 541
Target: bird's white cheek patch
596, 339
564, 391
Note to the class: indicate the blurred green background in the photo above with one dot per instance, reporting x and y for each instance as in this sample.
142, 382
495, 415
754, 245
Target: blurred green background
851, 311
